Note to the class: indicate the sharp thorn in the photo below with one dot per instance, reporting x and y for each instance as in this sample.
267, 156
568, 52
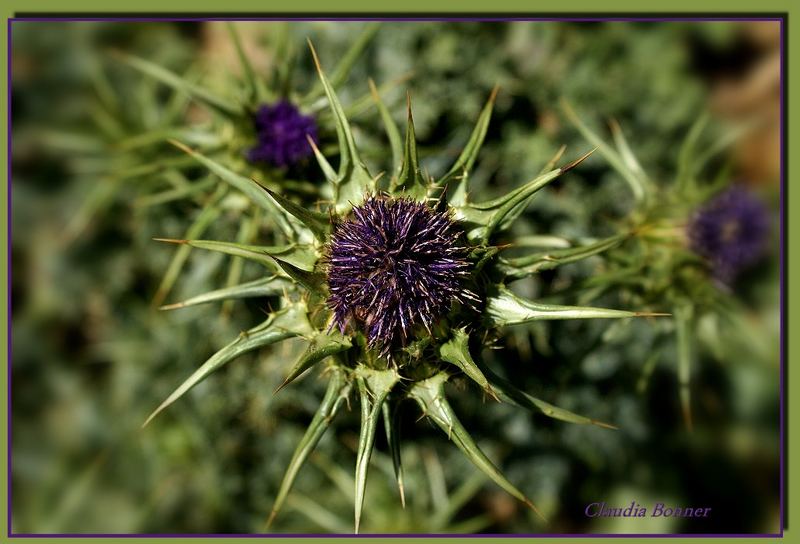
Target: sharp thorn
180, 145
373, 91
560, 152
532, 506
314, 55
312, 143
495, 90
281, 386
271, 518
149, 419
576, 162
605, 425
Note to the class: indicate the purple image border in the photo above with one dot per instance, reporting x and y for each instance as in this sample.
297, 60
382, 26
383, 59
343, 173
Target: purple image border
781, 18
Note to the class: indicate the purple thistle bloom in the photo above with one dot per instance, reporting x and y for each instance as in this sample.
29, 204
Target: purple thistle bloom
395, 264
282, 130
731, 231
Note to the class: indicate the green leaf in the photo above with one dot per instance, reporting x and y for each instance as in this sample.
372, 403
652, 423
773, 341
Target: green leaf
174, 110
522, 267
178, 193
73, 142
99, 198
392, 132
154, 167
338, 475
456, 351
338, 390
685, 177
373, 388
541, 241
410, 179
684, 329
484, 218
192, 136
248, 230
342, 70
463, 165
362, 103
330, 522
325, 166
635, 183
263, 287
281, 76
483, 255
207, 216
391, 423
647, 371
280, 325
728, 138
316, 222
353, 180
301, 256
322, 345
627, 155
472, 526
505, 308
430, 396
467, 491
249, 187
106, 123
551, 164
314, 282
508, 392
146, 103
177, 82
512, 199
103, 88
256, 93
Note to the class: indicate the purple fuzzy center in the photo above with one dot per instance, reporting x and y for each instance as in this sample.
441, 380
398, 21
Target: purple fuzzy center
731, 231
395, 264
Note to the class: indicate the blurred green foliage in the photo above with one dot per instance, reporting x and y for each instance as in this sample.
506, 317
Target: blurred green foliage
93, 356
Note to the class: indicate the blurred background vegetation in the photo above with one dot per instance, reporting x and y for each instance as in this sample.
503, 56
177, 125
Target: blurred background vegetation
93, 355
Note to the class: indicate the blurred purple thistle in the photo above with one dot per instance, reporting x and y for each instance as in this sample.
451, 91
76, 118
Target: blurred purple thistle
731, 231
395, 264
282, 135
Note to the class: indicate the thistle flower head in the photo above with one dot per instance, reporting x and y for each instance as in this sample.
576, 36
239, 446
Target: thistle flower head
394, 264
282, 133
731, 231
389, 268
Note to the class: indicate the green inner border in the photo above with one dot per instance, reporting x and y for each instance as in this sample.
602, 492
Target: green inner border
152, 8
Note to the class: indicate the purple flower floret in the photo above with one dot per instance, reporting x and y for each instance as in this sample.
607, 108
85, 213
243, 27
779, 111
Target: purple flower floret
282, 135
731, 231
394, 264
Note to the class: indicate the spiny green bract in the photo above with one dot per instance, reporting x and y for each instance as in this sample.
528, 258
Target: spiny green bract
419, 369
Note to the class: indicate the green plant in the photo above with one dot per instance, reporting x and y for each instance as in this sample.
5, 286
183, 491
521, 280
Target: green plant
433, 350
691, 237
